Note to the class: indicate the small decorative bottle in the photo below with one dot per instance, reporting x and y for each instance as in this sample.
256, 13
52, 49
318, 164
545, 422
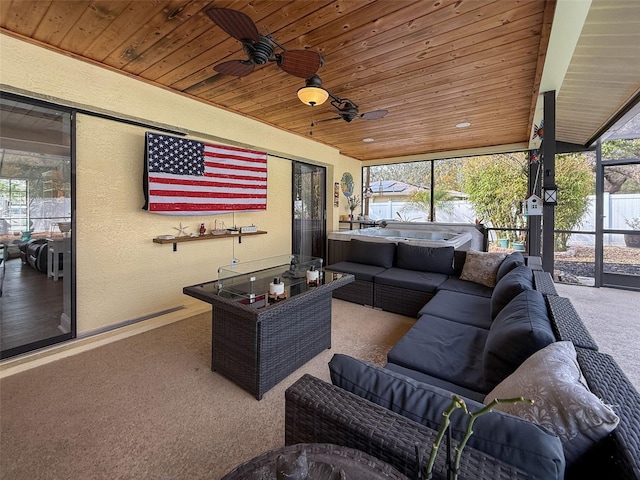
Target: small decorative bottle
313, 276
202, 229
276, 290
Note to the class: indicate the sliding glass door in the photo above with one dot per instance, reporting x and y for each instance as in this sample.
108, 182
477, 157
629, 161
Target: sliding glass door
36, 272
309, 200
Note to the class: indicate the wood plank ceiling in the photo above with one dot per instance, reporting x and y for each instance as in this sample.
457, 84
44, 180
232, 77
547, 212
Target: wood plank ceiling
431, 64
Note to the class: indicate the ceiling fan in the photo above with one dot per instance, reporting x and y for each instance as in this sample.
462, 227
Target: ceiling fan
260, 48
313, 93
348, 110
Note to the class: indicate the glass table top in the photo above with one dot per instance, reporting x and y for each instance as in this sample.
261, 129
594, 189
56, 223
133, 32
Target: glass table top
268, 281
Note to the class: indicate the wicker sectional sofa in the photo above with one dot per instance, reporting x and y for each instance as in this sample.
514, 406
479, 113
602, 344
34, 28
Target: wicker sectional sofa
472, 340
402, 278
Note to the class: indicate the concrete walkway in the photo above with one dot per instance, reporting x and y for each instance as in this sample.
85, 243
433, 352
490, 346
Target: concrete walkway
612, 316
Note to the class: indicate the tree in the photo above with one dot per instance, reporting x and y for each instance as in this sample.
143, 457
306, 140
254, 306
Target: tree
421, 200
448, 174
617, 178
495, 186
415, 173
575, 182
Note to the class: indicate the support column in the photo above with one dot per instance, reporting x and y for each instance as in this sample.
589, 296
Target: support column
534, 221
599, 240
367, 185
549, 179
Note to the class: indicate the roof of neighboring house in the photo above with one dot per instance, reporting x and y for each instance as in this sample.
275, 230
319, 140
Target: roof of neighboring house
393, 187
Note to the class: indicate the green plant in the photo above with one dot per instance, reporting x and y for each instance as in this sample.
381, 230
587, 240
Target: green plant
453, 468
421, 200
497, 184
574, 178
353, 202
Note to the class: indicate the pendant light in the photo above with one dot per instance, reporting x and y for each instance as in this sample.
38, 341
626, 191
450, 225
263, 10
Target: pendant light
312, 93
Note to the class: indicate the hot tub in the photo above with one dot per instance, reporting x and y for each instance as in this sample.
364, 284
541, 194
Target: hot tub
415, 237
459, 236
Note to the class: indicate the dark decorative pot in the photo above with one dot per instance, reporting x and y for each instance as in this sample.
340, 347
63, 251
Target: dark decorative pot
632, 241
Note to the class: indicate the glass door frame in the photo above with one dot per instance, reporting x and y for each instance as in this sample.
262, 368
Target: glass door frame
69, 283
602, 278
301, 237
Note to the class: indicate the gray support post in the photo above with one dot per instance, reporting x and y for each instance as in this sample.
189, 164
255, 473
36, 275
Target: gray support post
535, 221
599, 241
549, 179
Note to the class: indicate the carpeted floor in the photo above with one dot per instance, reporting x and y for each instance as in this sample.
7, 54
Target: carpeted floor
149, 407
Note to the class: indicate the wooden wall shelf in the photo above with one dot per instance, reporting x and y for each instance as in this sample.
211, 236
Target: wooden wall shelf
174, 241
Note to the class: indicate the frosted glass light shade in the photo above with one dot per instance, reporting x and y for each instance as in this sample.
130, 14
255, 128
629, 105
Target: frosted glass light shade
313, 96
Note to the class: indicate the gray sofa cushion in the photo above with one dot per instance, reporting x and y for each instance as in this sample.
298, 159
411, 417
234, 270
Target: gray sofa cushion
436, 382
520, 329
410, 279
459, 257
520, 443
508, 287
360, 270
425, 259
454, 284
513, 260
379, 254
459, 307
444, 349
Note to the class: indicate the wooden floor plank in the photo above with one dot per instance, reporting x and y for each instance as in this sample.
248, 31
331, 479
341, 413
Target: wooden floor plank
30, 306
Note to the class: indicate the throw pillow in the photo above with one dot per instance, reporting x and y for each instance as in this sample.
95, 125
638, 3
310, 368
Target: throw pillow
563, 402
379, 254
482, 267
425, 259
522, 444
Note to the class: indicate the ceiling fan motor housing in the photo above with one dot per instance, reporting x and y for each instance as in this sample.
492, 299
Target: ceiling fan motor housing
259, 52
348, 112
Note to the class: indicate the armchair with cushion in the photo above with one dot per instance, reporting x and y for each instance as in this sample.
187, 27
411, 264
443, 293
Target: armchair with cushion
34, 253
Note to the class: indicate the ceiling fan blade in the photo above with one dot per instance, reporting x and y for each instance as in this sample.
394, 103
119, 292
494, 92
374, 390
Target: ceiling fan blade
235, 68
300, 63
235, 23
375, 115
328, 119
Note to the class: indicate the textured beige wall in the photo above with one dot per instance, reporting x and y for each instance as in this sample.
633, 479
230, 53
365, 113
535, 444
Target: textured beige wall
121, 274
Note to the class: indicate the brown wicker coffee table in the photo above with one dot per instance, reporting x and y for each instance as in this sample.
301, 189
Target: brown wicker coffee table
324, 461
257, 345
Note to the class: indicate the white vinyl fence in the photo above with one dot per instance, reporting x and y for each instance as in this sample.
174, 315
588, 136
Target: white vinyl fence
617, 209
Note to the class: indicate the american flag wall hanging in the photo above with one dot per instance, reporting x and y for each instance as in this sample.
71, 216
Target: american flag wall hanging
187, 177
